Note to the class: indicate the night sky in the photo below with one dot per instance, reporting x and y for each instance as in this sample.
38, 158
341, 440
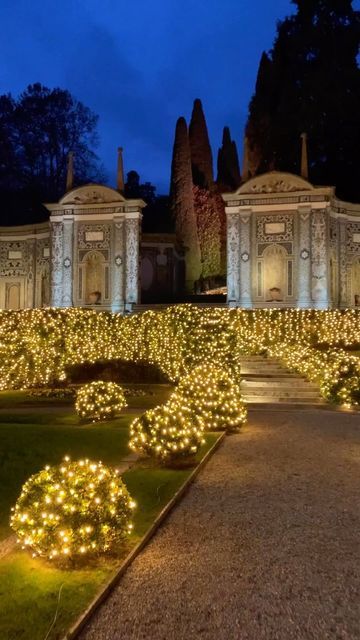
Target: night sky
139, 65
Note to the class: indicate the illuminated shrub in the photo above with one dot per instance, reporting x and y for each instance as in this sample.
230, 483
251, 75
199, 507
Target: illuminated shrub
99, 400
73, 509
212, 393
168, 432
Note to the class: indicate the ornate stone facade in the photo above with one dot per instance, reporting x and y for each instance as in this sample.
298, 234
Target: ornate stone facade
297, 247
87, 255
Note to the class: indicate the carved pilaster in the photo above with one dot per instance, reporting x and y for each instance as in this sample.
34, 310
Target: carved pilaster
304, 265
319, 259
67, 290
57, 241
343, 288
132, 261
117, 267
245, 299
31, 273
233, 259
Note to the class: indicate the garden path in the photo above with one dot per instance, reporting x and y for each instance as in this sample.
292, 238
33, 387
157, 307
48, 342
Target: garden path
264, 546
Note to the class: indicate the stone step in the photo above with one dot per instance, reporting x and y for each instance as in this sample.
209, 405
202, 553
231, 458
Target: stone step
282, 383
281, 399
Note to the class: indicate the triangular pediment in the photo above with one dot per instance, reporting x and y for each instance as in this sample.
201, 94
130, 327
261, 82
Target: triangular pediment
275, 182
91, 194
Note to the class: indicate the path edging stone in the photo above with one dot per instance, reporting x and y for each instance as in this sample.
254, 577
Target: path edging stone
105, 591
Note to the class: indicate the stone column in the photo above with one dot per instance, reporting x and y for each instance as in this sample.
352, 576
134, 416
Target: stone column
233, 259
319, 259
67, 290
56, 263
31, 274
343, 267
304, 263
117, 266
245, 260
132, 240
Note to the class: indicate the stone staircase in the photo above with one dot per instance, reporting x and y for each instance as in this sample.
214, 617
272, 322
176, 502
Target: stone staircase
266, 381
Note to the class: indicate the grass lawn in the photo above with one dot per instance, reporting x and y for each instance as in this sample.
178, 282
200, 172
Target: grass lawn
29, 588
34, 433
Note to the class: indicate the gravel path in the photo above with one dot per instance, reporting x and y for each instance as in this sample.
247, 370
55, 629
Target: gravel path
264, 546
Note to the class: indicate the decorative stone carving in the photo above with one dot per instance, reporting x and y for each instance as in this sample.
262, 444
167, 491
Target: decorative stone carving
91, 194
343, 283
275, 182
245, 267
319, 259
286, 220
84, 229
67, 283
117, 301
56, 263
233, 259
132, 261
304, 267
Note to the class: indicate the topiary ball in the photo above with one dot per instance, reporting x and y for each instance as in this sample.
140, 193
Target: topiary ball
168, 432
99, 400
73, 509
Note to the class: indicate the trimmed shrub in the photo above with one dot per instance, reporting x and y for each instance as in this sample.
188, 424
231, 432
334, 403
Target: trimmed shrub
73, 509
212, 393
168, 432
99, 400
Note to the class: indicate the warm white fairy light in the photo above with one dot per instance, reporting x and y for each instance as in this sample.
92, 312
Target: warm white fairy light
72, 509
99, 400
37, 346
212, 393
168, 432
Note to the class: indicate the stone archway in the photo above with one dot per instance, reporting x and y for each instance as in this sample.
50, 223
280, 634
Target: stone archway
275, 273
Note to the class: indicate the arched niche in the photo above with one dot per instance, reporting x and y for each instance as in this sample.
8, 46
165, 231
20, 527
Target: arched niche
275, 268
94, 278
13, 296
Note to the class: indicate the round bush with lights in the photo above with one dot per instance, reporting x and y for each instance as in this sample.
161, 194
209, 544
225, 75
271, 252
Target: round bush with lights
73, 509
99, 401
212, 393
168, 432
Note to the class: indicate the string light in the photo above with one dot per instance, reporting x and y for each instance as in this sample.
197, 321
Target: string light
99, 400
38, 345
212, 393
72, 509
168, 432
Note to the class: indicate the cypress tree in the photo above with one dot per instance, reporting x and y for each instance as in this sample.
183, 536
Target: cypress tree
182, 203
228, 176
201, 154
310, 82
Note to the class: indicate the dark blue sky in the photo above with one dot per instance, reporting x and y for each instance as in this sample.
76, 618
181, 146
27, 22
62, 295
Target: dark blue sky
139, 64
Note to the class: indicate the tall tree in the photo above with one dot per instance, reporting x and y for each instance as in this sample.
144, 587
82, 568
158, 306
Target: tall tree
228, 176
201, 154
37, 131
182, 203
310, 82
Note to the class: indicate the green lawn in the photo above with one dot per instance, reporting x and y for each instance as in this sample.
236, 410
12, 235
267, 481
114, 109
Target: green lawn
29, 588
34, 435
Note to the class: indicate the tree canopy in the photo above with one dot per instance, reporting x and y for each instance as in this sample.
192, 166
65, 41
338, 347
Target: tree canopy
37, 131
310, 82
